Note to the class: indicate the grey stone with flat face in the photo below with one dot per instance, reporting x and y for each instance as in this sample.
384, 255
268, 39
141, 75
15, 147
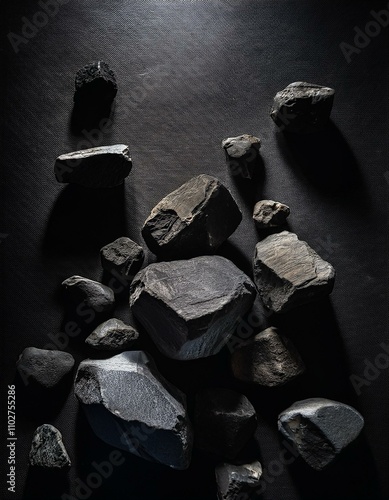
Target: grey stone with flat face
123, 256
288, 273
269, 213
112, 335
92, 294
47, 448
320, 429
191, 307
194, 219
242, 154
130, 406
237, 481
95, 84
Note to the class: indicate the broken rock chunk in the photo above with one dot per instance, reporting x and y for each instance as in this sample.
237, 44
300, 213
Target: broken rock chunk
47, 448
194, 219
269, 213
224, 422
101, 167
191, 307
242, 154
45, 367
288, 273
123, 257
237, 481
91, 294
268, 359
95, 84
302, 107
112, 335
320, 429
130, 406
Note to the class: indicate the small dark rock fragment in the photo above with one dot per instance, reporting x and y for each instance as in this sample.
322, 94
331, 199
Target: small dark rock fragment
320, 429
237, 481
224, 422
95, 85
268, 359
92, 294
242, 154
47, 448
269, 213
112, 335
122, 258
194, 219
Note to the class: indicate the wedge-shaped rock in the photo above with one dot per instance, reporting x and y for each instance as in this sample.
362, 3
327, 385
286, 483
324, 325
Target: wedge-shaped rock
320, 429
237, 481
224, 422
112, 335
288, 273
194, 219
191, 307
123, 258
101, 167
269, 359
91, 294
130, 406
303, 107
269, 213
47, 448
242, 154
95, 85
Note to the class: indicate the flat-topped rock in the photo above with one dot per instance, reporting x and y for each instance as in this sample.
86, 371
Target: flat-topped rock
122, 258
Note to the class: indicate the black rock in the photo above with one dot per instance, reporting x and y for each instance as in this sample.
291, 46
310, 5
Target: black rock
47, 448
46, 368
112, 335
288, 273
95, 85
268, 359
84, 292
320, 429
302, 107
224, 422
237, 481
194, 219
190, 308
101, 167
123, 258
130, 406
242, 154
269, 213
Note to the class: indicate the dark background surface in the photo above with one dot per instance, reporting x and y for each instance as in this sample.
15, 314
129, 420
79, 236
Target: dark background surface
191, 73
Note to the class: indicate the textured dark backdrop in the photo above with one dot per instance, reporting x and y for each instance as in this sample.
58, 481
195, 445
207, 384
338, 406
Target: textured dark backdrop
191, 73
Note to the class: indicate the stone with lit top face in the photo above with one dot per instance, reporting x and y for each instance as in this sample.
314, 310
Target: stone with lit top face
95, 85
112, 335
47, 448
242, 154
237, 481
122, 256
94, 295
269, 213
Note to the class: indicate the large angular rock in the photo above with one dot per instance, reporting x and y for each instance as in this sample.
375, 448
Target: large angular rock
47, 448
194, 219
242, 154
269, 213
123, 258
45, 367
320, 429
191, 307
302, 107
288, 273
268, 359
238, 481
95, 85
101, 167
224, 422
112, 335
84, 292
130, 406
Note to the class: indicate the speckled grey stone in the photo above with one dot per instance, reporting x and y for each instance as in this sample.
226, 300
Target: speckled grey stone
122, 256
242, 154
238, 481
269, 213
95, 84
91, 294
112, 335
47, 448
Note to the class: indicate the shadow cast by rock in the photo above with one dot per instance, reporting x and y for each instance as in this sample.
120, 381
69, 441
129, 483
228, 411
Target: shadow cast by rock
49, 484
93, 123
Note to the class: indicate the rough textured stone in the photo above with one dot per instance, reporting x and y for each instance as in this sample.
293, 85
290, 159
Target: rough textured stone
95, 84
269, 213
47, 448
237, 481
302, 107
195, 304
91, 294
289, 273
320, 428
242, 154
101, 167
130, 406
46, 368
123, 257
194, 219
112, 335
268, 359
224, 422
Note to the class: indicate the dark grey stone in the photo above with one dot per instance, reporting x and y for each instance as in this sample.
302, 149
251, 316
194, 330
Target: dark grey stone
91, 294
320, 429
112, 335
242, 154
269, 359
95, 84
303, 107
269, 213
194, 219
190, 308
237, 481
101, 167
47, 448
224, 422
288, 273
130, 406
46, 368
123, 258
